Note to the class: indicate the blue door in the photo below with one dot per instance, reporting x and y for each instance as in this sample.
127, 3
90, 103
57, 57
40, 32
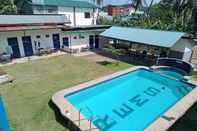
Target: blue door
27, 45
56, 41
66, 41
96, 41
13, 43
91, 41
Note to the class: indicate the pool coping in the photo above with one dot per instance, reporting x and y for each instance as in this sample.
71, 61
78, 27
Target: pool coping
160, 124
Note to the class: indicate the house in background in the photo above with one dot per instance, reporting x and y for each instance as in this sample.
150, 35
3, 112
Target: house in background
80, 12
121, 10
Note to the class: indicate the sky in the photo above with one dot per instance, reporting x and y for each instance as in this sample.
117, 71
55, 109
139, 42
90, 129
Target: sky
118, 2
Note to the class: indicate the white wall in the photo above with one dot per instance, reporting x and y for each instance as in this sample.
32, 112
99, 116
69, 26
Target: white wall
79, 43
44, 42
80, 15
69, 14
185, 46
181, 44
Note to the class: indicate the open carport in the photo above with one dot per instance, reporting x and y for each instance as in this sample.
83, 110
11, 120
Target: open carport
149, 43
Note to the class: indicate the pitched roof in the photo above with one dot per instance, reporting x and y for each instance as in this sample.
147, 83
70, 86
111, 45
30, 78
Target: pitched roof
66, 3
144, 36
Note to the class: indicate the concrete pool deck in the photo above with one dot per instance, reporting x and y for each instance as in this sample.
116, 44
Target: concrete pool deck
161, 124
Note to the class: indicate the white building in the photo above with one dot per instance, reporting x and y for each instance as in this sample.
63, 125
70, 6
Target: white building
28, 34
83, 37
80, 12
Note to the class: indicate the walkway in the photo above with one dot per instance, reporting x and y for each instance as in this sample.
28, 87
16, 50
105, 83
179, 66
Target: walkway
31, 58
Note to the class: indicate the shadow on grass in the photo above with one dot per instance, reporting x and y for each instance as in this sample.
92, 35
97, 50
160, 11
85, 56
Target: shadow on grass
126, 58
65, 122
187, 122
104, 63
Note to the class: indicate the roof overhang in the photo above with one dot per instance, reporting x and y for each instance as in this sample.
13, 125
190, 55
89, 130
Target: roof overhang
9, 20
23, 28
85, 28
66, 3
157, 38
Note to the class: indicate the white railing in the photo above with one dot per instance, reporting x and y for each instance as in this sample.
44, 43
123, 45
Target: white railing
90, 119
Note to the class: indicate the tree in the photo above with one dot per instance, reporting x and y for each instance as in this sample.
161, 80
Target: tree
171, 15
104, 21
7, 7
138, 3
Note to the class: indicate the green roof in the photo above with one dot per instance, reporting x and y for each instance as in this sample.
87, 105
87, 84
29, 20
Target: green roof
144, 36
66, 3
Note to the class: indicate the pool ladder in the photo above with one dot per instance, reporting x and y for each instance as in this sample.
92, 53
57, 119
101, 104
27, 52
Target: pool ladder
91, 118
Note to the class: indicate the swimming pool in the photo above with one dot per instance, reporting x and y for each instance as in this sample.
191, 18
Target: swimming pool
171, 72
129, 102
3, 119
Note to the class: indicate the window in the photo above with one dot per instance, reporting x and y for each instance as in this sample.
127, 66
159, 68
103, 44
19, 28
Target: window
52, 9
81, 37
66, 41
75, 37
38, 36
47, 36
39, 8
87, 14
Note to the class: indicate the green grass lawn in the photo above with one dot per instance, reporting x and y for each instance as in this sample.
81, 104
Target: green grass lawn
194, 75
27, 99
2, 72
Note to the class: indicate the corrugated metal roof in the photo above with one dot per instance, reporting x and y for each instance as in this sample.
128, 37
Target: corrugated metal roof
144, 36
67, 3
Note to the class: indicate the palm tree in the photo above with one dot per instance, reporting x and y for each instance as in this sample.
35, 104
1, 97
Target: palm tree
138, 3
7, 7
182, 10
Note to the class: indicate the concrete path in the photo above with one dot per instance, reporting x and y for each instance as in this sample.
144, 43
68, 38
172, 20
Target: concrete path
26, 59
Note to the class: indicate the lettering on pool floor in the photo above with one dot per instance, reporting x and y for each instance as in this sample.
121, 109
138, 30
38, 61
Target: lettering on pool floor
125, 110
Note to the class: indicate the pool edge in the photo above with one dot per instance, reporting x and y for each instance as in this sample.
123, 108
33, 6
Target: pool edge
69, 111
160, 124
174, 113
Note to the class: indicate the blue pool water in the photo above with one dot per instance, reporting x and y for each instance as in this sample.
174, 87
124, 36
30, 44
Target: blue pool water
3, 120
130, 102
178, 74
